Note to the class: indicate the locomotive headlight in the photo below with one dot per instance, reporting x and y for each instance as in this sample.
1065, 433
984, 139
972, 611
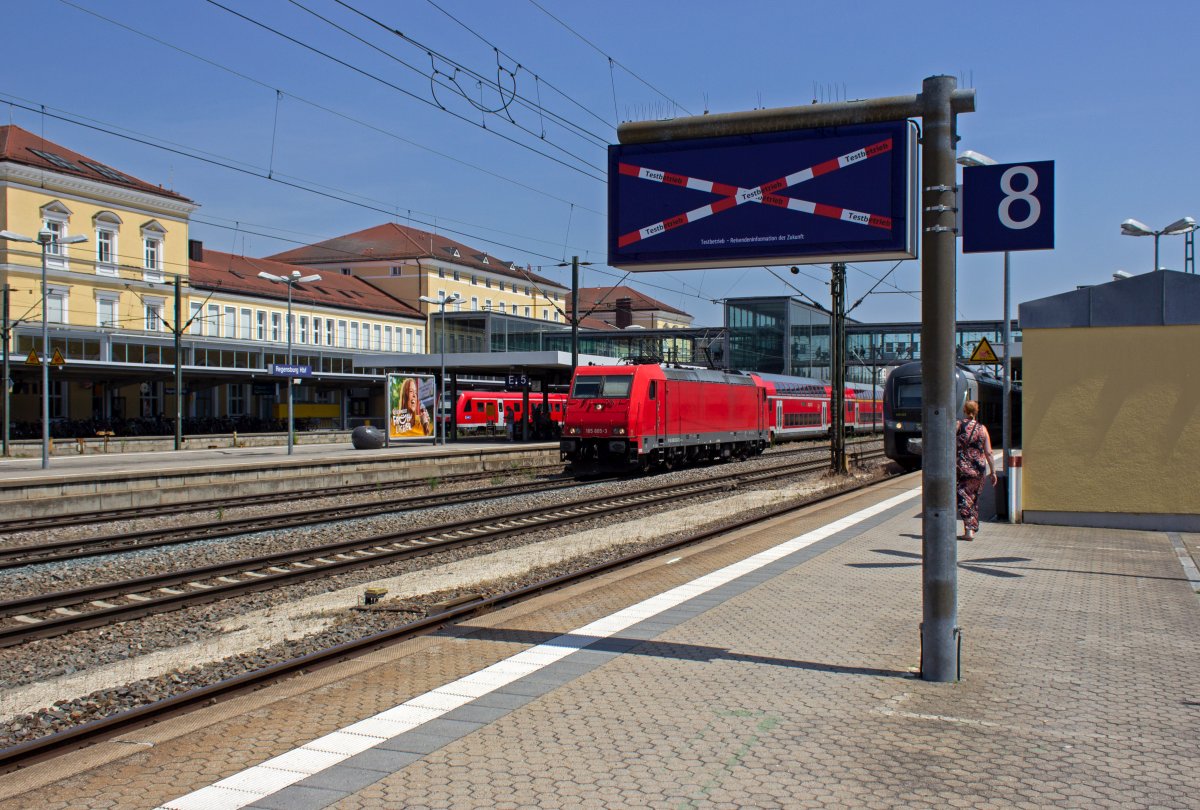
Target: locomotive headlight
572, 430
619, 431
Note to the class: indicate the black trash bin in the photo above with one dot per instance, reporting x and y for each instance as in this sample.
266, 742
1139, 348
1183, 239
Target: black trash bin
367, 438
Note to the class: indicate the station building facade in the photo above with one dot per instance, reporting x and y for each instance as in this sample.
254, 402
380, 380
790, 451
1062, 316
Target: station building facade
408, 263
111, 308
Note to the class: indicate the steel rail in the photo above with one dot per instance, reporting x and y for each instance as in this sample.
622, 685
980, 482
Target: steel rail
29, 752
155, 594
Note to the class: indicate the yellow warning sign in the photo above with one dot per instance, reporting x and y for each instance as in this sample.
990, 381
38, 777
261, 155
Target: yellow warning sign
32, 359
983, 353
57, 360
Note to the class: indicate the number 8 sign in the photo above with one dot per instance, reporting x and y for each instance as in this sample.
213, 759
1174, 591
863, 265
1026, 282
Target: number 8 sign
1008, 207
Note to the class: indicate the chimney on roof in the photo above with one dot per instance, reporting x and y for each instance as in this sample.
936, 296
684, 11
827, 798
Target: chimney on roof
195, 250
624, 312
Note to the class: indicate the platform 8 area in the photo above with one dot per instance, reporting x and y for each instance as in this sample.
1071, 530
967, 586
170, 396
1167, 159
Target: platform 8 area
771, 668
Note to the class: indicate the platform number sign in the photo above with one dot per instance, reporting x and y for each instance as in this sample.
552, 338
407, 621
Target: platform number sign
1008, 207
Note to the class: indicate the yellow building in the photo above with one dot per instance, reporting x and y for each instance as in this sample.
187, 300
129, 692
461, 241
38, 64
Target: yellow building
113, 283
1111, 411
111, 303
407, 263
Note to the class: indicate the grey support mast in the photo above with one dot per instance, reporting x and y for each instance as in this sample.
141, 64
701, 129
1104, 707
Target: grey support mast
937, 104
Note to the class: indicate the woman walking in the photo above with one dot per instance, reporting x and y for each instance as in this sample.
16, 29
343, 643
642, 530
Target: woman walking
974, 457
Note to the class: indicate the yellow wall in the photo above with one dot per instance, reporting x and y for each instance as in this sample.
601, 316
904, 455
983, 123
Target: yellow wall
1112, 420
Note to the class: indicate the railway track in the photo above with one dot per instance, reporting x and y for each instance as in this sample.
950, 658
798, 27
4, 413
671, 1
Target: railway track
51, 745
49, 615
26, 524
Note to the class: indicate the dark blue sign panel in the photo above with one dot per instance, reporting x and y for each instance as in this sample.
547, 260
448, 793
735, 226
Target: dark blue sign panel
813, 195
284, 370
1008, 207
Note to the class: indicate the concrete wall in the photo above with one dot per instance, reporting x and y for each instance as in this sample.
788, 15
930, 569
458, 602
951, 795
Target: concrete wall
1112, 426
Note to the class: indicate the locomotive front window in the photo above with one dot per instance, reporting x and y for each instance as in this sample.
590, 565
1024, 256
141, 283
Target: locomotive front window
607, 387
908, 393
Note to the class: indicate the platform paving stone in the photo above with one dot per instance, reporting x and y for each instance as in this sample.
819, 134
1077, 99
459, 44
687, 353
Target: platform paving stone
1081, 688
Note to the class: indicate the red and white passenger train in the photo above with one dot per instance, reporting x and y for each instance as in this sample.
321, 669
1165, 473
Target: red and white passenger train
650, 416
482, 409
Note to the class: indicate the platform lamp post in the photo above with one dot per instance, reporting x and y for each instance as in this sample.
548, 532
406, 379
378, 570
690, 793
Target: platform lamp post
441, 301
46, 239
1131, 227
291, 281
970, 158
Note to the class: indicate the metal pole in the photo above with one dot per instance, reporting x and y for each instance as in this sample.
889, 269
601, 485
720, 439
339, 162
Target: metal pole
837, 322
1007, 405
939, 580
441, 393
7, 400
288, 379
45, 361
178, 366
1156, 235
574, 314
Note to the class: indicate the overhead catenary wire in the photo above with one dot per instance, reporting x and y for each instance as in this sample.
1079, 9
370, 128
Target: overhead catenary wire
329, 110
410, 94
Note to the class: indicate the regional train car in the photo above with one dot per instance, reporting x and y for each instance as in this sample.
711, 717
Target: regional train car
799, 407
476, 410
868, 408
902, 409
649, 416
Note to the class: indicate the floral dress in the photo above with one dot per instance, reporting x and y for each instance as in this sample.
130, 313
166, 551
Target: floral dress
971, 464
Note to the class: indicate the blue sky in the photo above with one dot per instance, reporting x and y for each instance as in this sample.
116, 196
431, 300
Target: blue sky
1106, 91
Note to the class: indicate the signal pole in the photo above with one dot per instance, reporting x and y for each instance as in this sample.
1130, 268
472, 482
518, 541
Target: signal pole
837, 353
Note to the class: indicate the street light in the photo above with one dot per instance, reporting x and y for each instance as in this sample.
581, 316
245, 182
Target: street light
45, 238
1131, 227
441, 301
291, 281
972, 158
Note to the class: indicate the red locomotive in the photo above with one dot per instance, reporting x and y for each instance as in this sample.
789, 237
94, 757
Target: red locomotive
643, 416
648, 416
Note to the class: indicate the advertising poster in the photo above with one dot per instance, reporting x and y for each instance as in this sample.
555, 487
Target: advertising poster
410, 406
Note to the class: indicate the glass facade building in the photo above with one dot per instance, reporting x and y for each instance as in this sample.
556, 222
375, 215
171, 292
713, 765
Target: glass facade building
777, 336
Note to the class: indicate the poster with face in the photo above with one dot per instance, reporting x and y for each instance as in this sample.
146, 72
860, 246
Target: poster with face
410, 403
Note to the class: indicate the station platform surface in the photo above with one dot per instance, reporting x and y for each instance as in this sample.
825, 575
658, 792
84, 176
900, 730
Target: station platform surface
770, 668
97, 465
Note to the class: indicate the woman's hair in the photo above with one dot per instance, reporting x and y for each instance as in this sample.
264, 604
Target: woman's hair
971, 408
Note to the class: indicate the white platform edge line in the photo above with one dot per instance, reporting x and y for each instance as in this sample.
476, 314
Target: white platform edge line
602, 628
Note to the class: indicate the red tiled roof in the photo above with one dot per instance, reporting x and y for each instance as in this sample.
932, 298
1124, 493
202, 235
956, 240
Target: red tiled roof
604, 299
239, 274
18, 145
393, 242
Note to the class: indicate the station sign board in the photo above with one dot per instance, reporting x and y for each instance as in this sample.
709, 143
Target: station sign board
516, 382
802, 196
1008, 207
285, 370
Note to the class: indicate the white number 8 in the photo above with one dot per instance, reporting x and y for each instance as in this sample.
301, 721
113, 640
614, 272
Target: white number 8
1011, 196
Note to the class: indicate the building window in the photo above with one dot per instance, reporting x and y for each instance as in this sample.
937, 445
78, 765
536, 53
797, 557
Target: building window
106, 310
341, 334
345, 271
230, 322
441, 272
456, 275
397, 270
153, 314
353, 334
195, 322
487, 282
153, 235
366, 335
419, 345
106, 252
545, 315
237, 399
441, 294
377, 331
316, 333
246, 327
276, 327
304, 329
387, 338
260, 325
408, 339
474, 304
474, 281
58, 399
526, 312
328, 331
487, 305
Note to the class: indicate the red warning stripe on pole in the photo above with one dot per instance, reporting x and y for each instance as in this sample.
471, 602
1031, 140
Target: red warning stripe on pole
735, 195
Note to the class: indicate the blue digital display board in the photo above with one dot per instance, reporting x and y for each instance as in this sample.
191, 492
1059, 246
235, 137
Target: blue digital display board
804, 196
1008, 207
